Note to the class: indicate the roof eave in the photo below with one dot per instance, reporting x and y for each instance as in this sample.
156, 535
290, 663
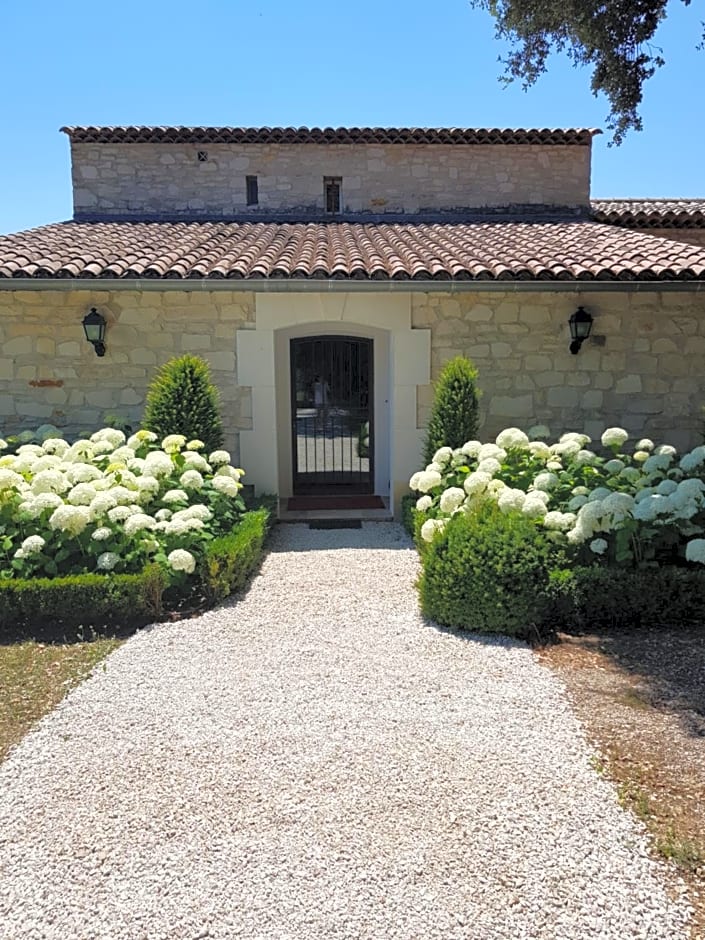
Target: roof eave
344, 285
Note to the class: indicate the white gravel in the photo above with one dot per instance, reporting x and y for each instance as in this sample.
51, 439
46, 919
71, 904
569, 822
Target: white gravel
315, 761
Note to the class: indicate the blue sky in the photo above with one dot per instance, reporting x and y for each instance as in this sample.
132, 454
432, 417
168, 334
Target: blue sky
269, 63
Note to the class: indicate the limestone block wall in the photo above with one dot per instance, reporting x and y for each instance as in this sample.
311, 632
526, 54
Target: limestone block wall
49, 373
641, 369
171, 180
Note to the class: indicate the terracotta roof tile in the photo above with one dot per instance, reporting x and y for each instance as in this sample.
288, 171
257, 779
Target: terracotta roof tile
650, 213
481, 250
330, 135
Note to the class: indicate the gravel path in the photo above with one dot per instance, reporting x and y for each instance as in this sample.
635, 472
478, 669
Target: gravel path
315, 761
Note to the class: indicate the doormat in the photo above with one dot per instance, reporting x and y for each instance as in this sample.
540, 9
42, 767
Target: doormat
335, 524
304, 503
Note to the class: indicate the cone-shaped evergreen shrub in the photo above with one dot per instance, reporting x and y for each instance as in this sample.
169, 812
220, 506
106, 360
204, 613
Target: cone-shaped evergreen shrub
182, 399
454, 416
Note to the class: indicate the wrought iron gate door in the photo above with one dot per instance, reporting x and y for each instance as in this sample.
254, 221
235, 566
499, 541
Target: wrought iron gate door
331, 415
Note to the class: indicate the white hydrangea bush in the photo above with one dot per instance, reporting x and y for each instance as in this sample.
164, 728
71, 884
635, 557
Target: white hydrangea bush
618, 503
111, 503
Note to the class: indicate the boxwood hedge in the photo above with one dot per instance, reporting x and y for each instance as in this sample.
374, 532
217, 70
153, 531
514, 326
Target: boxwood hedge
53, 608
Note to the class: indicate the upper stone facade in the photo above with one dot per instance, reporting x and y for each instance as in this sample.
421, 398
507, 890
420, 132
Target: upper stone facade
259, 172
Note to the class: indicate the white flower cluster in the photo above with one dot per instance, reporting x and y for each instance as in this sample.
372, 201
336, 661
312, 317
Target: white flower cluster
582, 497
107, 497
425, 480
181, 560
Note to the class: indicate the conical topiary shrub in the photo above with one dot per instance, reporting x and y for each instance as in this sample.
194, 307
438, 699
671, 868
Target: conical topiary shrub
454, 415
182, 399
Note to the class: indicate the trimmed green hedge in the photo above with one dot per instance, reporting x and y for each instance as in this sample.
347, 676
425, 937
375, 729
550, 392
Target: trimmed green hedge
53, 608
408, 512
490, 572
60, 606
232, 558
598, 598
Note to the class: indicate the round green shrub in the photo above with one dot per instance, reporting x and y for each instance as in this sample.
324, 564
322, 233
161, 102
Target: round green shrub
489, 571
182, 399
454, 414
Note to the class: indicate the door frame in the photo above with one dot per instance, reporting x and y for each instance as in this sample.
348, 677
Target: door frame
331, 488
381, 396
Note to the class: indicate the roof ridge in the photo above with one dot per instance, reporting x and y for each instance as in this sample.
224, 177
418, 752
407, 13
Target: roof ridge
324, 135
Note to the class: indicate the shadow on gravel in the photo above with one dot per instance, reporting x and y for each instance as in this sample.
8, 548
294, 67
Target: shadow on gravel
666, 666
470, 636
671, 664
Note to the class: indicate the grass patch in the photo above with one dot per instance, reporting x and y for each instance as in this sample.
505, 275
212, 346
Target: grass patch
598, 765
632, 796
684, 852
34, 677
633, 699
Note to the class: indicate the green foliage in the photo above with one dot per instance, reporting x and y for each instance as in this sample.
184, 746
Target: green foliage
183, 503
55, 607
408, 512
111, 420
58, 607
267, 501
230, 560
29, 436
182, 399
489, 571
362, 442
454, 416
605, 598
684, 852
614, 39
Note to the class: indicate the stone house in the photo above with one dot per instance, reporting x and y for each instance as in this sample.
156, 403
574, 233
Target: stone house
327, 274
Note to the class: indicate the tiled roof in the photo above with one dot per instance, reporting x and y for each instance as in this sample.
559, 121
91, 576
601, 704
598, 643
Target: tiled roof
651, 213
497, 250
329, 135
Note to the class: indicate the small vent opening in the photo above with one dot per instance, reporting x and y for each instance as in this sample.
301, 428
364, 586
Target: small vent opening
203, 156
252, 190
332, 186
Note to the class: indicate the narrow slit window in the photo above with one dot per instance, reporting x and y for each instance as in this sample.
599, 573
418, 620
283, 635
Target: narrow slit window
252, 190
331, 192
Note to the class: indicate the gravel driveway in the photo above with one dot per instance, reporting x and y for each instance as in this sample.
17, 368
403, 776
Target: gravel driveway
315, 761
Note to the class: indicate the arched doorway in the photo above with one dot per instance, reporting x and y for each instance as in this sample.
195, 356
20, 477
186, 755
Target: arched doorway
332, 415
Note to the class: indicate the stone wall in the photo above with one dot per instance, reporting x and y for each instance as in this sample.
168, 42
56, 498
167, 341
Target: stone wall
49, 373
642, 368
170, 180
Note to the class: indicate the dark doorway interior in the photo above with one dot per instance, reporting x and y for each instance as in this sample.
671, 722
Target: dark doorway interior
332, 415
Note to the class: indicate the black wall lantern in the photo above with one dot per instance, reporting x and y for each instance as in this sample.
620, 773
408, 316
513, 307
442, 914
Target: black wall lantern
580, 324
94, 328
